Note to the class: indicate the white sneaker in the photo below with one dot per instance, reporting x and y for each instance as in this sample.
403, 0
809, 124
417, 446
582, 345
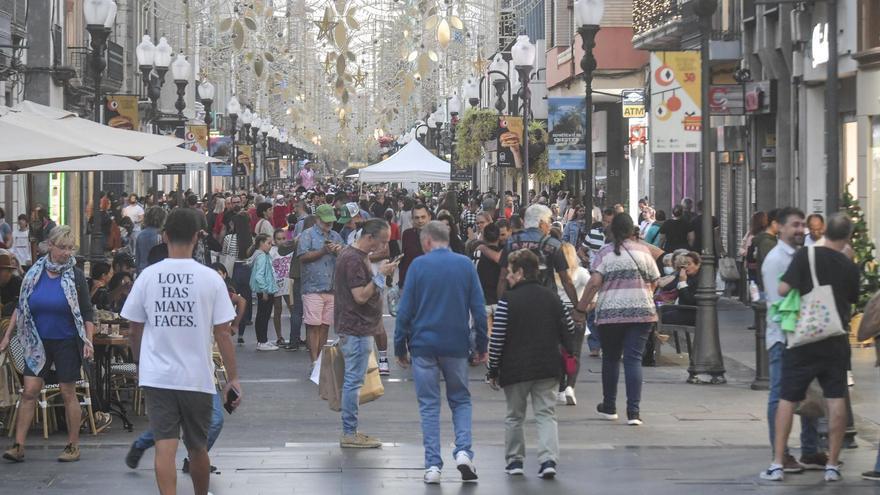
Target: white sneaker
560, 398
569, 397
850, 379
384, 369
466, 467
432, 475
267, 346
773, 473
832, 473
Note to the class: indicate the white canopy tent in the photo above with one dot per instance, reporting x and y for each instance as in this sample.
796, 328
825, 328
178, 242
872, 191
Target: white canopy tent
21, 148
412, 163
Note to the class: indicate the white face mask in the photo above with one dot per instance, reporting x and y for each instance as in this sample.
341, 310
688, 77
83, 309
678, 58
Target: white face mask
668, 270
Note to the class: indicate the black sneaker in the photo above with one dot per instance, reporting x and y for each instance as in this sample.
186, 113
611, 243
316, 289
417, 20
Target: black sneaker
547, 470
133, 458
185, 469
608, 414
241, 341
871, 475
514, 468
633, 419
291, 346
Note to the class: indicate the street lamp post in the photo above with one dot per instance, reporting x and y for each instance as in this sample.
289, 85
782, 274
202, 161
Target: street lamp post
153, 58
707, 357
206, 94
264, 132
232, 109
180, 71
247, 118
588, 16
99, 16
523, 53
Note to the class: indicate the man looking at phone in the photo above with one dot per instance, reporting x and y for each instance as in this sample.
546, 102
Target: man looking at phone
173, 308
317, 250
358, 317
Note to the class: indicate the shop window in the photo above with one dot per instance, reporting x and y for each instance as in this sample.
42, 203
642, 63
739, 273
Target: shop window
874, 174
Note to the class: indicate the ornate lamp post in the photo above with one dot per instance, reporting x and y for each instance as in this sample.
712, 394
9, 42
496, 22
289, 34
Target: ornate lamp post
471, 92
153, 58
99, 16
264, 132
707, 343
588, 16
233, 107
524, 52
206, 93
247, 118
500, 80
180, 71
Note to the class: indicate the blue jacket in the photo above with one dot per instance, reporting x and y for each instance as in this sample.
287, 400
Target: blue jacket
263, 275
442, 291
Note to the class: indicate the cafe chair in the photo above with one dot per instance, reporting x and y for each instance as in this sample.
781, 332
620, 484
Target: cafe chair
124, 378
48, 394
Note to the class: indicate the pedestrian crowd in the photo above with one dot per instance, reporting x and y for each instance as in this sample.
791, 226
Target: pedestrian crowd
474, 279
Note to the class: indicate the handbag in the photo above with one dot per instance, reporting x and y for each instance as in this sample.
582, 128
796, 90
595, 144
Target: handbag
728, 270
870, 325
569, 362
819, 319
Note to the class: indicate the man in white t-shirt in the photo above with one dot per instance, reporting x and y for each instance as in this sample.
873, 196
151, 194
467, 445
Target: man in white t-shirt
135, 212
175, 308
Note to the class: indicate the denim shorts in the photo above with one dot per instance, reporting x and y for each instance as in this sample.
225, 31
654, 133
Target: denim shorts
67, 358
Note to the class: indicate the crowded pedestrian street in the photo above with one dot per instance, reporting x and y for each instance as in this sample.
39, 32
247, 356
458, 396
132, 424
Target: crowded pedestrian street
439, 246
284, 440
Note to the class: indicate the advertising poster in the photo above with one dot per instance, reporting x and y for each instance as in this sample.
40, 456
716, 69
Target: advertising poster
245, 159
220, 146
221, 170
567, 123
121, 112
510, 138
675, 102
196, 138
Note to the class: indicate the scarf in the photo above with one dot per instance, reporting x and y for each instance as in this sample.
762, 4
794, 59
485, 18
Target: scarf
34, 354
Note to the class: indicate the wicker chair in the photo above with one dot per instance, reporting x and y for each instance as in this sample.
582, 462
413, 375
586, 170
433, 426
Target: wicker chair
48, 393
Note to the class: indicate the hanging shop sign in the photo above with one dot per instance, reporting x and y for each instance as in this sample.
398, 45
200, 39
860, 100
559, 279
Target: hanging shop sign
726, 99
567, 118
461, 174
221, 170
759, 97
510, 138
220, 146
633, 101
121, 112
676, 121
176, 169
638, 132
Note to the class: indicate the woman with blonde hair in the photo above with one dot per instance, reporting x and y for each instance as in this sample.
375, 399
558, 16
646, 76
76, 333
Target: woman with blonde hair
55, 326
580, 276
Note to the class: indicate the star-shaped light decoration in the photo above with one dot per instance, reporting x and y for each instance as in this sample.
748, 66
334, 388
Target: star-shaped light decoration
480, 64
329, 63
325, 25
360, 77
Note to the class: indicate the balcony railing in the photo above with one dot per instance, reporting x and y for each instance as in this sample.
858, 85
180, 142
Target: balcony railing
650, 14
79, 59
671, 24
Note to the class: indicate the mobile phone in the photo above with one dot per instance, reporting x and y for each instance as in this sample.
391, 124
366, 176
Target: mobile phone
397, 258
231, 397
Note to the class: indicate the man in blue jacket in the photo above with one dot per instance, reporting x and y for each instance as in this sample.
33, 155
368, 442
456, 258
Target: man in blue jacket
441, 295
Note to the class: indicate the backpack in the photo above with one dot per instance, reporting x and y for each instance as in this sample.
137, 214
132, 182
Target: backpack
546, 273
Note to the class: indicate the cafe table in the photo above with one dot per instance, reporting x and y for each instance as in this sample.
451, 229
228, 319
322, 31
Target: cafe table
104, 346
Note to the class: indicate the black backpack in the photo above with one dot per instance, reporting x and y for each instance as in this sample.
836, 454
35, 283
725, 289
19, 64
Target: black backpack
546, 273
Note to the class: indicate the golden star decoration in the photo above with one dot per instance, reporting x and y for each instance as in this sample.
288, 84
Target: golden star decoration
360, 78
480, 64
325, 25
329, 64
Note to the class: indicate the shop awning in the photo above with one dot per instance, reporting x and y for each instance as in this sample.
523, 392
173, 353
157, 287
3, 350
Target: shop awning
174, 156
21, 148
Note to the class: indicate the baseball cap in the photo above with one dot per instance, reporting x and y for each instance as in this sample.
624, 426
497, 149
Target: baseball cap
325, 214
349, 211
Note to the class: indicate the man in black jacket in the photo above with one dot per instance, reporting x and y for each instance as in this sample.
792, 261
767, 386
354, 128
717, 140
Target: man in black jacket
530, 325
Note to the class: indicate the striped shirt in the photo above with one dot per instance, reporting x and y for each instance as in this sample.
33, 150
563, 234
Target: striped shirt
625, 295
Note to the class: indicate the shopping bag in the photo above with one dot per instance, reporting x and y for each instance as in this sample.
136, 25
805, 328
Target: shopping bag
228, 262
315, 377
813, 405
332, 372
372, 388
819, 319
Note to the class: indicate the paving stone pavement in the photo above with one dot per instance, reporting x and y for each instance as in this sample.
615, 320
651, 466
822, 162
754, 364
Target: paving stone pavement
696, 439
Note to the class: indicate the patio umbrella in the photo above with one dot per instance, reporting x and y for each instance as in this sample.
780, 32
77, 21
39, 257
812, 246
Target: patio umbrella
97, 138
21, 148
175, 155
98, 163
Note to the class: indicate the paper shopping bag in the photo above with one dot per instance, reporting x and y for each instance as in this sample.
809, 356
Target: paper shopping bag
332, 372
372, 388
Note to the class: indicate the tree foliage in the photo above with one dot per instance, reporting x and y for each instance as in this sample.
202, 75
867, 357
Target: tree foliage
864, 249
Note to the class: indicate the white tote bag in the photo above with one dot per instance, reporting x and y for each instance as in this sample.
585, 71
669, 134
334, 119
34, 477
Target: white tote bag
819, 318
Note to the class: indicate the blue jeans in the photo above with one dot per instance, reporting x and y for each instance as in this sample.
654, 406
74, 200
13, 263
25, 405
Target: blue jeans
426, 375
356, 355
627, 339
809, 426
593, 339
146, 440
296, 312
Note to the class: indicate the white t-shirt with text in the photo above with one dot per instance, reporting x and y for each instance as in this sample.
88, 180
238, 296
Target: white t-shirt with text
179, 301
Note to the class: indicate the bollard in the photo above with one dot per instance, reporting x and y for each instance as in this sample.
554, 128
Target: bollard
762, 360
